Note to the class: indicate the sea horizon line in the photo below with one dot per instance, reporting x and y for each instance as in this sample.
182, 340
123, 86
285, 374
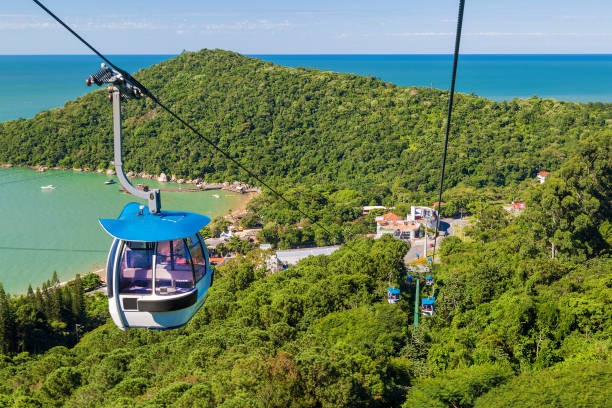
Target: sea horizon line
322, 54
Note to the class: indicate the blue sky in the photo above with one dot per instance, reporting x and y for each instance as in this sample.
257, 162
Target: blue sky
332, 26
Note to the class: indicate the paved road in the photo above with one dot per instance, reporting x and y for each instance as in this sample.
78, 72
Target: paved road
446, 229
452, 223
293, 256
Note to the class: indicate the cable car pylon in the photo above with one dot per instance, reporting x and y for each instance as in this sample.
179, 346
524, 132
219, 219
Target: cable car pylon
416, 302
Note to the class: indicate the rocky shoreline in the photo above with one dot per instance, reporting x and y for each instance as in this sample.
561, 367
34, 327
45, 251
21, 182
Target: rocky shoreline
198, 183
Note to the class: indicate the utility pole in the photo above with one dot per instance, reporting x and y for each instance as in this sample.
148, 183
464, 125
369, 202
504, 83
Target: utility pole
76, 329
433, 287
416, 300
425, 249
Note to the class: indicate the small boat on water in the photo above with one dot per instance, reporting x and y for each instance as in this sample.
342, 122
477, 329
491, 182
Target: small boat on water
216, 195
107, 182
49, 187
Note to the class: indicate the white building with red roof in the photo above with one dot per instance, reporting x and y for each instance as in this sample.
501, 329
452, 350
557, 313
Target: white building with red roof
424, 215
542, 176
399, 227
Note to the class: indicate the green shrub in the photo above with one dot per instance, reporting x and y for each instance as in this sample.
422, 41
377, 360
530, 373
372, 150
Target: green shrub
60, 384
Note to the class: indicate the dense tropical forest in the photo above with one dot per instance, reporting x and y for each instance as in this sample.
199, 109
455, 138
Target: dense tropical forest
524, 301
514, 326
50, 316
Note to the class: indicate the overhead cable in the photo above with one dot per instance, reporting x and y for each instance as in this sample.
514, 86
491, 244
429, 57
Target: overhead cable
448, 122
148, 93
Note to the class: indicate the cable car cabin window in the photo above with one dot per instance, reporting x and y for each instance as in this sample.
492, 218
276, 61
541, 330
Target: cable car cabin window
199, 263
136, 268
173, 271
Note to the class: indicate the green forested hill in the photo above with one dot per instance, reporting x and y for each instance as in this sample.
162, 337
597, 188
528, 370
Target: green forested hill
524, 302
513, 326
305, 126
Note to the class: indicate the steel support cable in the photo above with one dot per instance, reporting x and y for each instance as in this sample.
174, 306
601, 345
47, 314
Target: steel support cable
448, 123
148, 93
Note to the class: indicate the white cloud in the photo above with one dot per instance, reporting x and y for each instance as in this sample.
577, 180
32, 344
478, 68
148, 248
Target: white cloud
247, 25
536, 34
247, 12
421, 34
33, 22
574, 18
119, 25
27, 25
499, 34
506, 34
18, 15
25, 22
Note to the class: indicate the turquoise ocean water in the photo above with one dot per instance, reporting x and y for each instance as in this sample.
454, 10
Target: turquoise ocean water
42, 231
29, 84
577, 78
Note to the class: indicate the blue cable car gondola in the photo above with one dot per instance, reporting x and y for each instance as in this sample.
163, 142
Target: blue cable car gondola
428, 306
393, 295
157, 272
409, 279
429, 280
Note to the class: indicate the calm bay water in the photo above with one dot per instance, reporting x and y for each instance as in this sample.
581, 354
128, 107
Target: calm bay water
46, 230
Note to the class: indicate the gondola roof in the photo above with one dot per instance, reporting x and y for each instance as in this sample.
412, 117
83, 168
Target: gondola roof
394, 291
428, 301
136, 223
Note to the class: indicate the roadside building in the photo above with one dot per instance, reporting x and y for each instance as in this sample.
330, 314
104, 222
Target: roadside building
249, 234
408, 231
293, 256
542, 176
515, 208
426, 216
397, 226
368, 208
217, 260
279, 260
212, 243
272, 262
273, 265
226, 235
